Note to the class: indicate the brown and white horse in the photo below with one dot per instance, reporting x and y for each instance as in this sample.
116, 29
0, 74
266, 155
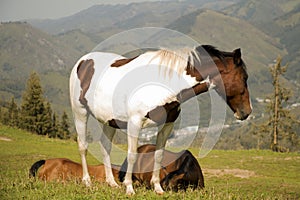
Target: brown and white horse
147, 91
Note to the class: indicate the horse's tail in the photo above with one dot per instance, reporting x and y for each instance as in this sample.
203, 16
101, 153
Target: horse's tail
34, 168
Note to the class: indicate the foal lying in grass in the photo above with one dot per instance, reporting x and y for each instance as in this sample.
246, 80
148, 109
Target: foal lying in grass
179, 170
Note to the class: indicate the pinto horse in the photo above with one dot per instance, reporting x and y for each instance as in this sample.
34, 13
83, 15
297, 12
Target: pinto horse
147, 91
179, 170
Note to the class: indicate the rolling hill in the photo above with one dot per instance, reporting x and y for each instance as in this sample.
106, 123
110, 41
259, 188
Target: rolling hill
24, 49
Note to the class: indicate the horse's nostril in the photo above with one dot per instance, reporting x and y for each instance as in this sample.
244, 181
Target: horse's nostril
244, 115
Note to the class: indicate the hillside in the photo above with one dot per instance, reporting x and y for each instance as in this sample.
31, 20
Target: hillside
79, 41
279, 19
25, 49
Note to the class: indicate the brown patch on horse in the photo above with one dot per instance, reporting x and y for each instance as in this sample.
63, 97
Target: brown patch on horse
170, 111
121, 62
62, 169
115, 123
85, 72
165, 113
193, 72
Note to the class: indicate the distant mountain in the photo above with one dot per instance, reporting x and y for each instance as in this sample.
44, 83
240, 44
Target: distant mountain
103, 18
260, 11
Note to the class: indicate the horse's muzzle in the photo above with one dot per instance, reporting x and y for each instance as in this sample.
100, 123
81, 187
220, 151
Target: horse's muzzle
241, 115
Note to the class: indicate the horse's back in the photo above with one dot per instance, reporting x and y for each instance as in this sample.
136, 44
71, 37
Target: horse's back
60, 169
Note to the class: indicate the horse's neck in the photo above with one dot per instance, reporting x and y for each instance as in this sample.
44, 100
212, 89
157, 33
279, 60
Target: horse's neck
209, 70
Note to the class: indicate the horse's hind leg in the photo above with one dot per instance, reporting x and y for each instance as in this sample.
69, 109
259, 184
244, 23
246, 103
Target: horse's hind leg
106, 143
133, 129
80, 119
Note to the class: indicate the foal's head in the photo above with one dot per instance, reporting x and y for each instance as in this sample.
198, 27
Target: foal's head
231, 83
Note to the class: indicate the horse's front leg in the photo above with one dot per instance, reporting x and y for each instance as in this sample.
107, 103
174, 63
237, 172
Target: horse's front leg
106, 144
133, 129
161, 140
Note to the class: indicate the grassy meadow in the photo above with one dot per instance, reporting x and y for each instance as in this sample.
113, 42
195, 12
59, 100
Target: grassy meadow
243, 174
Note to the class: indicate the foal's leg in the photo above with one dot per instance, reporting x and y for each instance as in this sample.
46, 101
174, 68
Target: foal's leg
80, 119
133, 128
106, 143
161, 140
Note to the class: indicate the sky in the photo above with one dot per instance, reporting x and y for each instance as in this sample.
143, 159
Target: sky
14, 10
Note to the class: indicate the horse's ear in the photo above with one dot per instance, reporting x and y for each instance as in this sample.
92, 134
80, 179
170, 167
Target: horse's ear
237, 56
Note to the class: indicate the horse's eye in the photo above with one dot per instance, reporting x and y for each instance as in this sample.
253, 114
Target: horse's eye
229, 97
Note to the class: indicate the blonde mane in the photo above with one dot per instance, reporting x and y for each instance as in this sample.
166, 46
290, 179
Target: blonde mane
176, 60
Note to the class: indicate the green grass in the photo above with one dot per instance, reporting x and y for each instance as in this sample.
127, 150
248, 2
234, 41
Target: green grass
272, 175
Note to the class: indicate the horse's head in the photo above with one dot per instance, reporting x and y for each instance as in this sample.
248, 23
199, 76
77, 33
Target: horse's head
234, 76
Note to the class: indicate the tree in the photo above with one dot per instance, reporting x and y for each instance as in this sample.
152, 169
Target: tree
13, 113
54, 126
47, 124
64, 132
4, 116
281, 122
32, 106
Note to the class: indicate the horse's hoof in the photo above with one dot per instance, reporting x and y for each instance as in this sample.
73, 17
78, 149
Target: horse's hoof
87, 181
114, 185
158, 190
130, 191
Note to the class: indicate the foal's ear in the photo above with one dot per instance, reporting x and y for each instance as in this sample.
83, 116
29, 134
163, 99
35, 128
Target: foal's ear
237, 56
